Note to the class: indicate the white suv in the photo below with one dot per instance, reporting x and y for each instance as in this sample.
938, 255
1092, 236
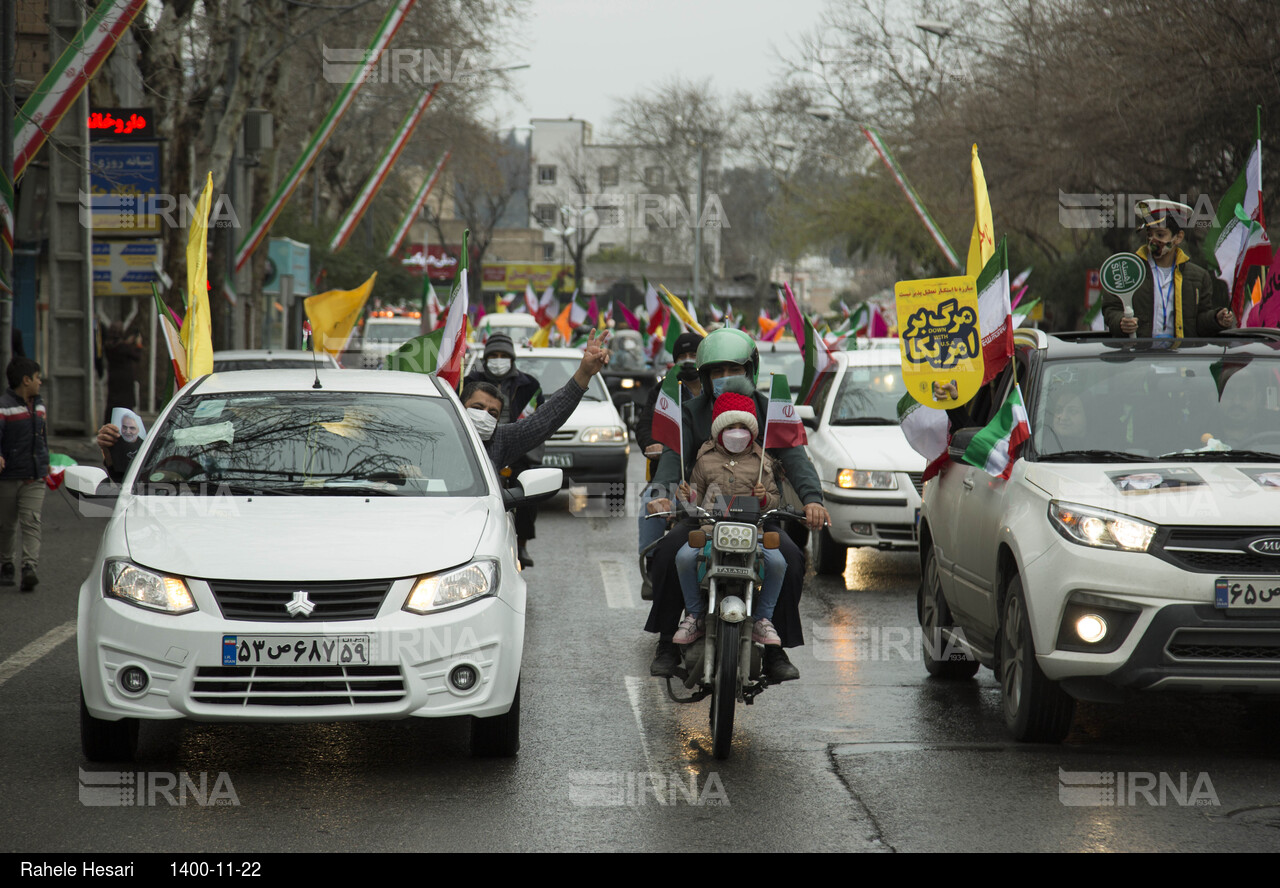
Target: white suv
1135, 545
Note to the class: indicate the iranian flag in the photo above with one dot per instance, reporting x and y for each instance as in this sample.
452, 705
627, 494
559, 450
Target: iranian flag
995, 448
1237, 238
58, 463
666, 412
441, 351
817, 361
782, 427
926, 431
994, 313
172, 339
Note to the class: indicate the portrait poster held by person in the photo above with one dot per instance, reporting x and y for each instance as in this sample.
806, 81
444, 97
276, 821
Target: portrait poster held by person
24, 463
522, 395
1178, 299
686, 357
731, 465
727, 361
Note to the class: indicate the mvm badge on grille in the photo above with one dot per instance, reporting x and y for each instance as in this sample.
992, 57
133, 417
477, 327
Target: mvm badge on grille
1266, 546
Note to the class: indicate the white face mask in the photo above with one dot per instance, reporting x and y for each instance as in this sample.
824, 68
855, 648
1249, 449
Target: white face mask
498, 366
484, 421
736, 440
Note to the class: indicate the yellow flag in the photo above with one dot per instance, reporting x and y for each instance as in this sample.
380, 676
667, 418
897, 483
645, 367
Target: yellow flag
679, 310
982, 243
334, 314
197, 329
541, 339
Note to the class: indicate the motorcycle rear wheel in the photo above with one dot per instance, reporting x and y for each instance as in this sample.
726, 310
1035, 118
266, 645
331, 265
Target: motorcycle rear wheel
724, 689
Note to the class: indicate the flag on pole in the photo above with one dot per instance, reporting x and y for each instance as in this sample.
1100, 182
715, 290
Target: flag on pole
995, 313
548, 308
197, 330
716, 314
982, 243
630, 319
678, 309
877, 326
172, 339
996, 448
926, 431
782, 427
58, 463
817, 361
415, 207
1237, 239
881, 149
333, 316
669, 344
795, 319
667, 413
441, 351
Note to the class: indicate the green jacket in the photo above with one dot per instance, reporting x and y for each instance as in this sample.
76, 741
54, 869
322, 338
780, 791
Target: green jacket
696, 429
1197, 301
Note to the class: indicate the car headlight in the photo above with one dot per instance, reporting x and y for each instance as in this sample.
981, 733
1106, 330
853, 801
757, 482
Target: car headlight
143, 588
628, 384
1100, 528
604, 435
453, 587
730, 537
853, 479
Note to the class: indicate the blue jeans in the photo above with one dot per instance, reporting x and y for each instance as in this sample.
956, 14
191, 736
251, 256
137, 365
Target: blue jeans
650, 529
766, 597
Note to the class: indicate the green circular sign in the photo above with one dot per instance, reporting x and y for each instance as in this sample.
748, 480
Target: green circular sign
1122, 273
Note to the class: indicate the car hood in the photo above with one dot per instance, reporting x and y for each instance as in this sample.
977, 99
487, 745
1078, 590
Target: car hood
878, 448
1187, 493
303, 538
591, 413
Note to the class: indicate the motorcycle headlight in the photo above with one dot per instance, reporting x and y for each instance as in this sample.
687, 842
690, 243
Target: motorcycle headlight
1100, 528
604, 435
852, 479
143, 588
730, 537
453, 587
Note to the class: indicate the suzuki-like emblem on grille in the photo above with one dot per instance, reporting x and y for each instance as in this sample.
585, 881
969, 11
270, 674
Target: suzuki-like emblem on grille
300, 605
1266, 546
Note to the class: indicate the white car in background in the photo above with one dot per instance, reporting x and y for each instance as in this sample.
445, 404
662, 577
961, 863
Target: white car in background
871, 478
518, 325
284, 553
382, 335
272, 359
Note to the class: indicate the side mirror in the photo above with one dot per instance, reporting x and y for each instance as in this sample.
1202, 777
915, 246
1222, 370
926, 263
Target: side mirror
960, 441
807, 417
93, 490
533, 486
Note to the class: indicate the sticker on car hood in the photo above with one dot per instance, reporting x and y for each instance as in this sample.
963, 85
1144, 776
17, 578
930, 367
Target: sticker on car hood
1167, 478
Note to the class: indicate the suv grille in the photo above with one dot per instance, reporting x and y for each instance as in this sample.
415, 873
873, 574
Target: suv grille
297, 685
1220, 550
917, 481
898, 533
268, 601
1200, 644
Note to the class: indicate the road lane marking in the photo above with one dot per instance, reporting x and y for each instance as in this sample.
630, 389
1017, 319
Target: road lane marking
37, 649
635, 687
618, 585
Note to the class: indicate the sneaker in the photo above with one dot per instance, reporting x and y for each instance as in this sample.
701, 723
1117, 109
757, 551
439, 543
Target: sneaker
778, 666
665, 661
6, 574
29, 578
764, 633
691, 629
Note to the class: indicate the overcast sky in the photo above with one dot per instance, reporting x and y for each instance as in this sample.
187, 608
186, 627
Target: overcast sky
586, 54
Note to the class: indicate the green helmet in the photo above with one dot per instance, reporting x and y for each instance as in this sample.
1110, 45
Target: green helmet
728, 346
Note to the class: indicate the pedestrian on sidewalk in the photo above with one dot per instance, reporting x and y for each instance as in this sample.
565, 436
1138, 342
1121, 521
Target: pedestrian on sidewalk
24, 463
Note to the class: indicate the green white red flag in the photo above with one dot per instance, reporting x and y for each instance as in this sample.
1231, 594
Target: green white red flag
415, 207
782, 426
881, 149
994, 313
667, 415
995, 449
1237, 239
441, 351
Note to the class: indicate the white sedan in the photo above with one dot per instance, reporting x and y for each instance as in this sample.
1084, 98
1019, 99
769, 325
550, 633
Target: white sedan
284, 553
871, 478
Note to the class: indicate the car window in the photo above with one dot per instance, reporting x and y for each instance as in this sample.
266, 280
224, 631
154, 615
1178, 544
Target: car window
375, 331
553, 373
789, 362
326, 443
868, 393
1157, 404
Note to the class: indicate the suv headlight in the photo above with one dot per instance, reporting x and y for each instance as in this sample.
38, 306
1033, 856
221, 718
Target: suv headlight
604, 435
1100, 528
453, 587
853, 479
143, 588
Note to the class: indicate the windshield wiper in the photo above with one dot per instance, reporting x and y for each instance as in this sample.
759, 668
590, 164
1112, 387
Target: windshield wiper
1092, 456
863, 420
334, 490
1223, 456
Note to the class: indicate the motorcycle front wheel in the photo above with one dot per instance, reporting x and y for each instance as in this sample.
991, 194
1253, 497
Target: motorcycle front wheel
724, 689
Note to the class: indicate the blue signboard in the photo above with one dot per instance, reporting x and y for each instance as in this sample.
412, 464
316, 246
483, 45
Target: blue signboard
124, 185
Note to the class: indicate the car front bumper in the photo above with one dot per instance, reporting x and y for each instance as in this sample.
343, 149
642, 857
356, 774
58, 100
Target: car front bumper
589, 462
881, 519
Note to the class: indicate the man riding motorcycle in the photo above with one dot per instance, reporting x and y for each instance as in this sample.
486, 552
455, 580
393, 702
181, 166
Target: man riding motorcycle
728, 360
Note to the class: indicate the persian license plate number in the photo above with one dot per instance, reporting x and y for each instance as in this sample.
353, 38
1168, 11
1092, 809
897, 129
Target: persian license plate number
1246, 593
557, 460
295, 650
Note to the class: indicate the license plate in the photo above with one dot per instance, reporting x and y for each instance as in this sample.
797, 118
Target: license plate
557, 460
1241, 593
295, 650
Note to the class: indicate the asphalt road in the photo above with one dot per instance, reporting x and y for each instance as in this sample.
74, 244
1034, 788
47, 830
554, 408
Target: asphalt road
864, 753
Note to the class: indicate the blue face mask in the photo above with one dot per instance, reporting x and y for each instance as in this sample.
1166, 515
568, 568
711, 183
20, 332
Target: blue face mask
739, 384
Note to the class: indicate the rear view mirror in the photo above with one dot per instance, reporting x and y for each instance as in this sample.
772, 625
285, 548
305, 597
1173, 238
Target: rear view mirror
807, 415
960, 441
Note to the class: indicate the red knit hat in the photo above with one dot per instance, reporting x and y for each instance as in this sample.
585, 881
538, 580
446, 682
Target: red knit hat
732, 407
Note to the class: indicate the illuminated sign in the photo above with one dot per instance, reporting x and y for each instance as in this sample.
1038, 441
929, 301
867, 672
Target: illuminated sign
120, 123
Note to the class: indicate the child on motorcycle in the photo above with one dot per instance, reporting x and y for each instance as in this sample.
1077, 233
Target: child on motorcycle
728, 466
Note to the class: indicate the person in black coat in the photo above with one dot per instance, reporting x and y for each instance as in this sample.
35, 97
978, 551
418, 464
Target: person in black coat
123, 353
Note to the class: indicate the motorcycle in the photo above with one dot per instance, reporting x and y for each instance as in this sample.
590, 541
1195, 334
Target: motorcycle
725, 664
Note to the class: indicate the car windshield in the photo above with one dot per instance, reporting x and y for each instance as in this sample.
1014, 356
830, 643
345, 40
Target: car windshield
868, 395
375, 331
312, 443
1159, 404
553, 373
787, 361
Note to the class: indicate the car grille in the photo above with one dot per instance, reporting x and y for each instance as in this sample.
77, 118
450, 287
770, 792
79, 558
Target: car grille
562, 437
1198, 644
269, 601
1220, 550
898, 533
917, 481
297, 685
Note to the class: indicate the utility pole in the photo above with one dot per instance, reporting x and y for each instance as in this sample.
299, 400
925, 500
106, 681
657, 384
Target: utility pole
8, 111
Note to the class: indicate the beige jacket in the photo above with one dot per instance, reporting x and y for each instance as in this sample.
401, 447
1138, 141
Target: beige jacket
718, 475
